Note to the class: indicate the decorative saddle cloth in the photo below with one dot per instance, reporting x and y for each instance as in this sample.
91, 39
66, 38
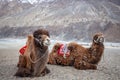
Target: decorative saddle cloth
63, 50
22, 50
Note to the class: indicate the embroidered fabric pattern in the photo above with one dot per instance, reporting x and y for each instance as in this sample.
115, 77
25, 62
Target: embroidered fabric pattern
22, 50
63, 51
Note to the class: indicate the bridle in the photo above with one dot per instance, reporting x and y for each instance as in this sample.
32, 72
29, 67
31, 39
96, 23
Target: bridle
97, 41
38, 41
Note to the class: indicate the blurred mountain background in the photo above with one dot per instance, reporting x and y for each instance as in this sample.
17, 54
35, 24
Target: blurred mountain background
76, 20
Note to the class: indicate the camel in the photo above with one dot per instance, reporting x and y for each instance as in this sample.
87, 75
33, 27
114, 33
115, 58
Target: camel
80, 57
33, 62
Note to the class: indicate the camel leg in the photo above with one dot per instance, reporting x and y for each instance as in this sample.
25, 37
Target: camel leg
22, 61
82, 65
45, 71
23, 72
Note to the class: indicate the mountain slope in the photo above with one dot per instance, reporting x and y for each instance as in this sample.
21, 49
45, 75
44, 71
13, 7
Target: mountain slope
68, 19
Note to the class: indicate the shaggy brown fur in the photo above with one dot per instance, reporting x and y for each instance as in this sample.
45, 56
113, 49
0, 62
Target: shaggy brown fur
33, 62
80, 57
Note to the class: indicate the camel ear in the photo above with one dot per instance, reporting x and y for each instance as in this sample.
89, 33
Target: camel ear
47, 33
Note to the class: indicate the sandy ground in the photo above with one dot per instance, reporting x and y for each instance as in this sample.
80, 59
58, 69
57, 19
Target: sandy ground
108, 68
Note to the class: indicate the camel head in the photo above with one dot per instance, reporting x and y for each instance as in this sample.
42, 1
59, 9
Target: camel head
41, 37
98, 38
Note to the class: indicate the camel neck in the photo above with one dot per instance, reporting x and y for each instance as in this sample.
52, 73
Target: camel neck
97, 44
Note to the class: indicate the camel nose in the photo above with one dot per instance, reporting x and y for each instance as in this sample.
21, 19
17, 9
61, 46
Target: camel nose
48, 39
101, 39
47, 42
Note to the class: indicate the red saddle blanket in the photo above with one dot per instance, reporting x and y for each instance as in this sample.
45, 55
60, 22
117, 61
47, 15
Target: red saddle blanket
22, 50
63, 50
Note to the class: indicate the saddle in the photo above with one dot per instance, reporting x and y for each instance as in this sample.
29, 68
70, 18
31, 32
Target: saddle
63, 51
22, 50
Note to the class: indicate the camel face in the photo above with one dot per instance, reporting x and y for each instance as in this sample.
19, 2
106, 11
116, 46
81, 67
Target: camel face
98, 38
42, 38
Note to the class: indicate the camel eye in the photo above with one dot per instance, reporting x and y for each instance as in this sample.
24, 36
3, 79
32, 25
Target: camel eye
39, 37
96, 37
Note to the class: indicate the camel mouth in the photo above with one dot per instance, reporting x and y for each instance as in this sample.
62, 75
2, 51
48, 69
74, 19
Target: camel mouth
101, 39
47, 42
